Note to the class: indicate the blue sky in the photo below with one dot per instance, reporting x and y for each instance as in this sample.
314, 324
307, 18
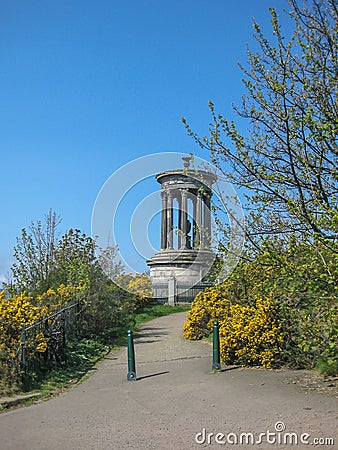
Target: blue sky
88, 86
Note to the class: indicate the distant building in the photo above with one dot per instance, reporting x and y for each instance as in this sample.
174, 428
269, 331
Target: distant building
185, 256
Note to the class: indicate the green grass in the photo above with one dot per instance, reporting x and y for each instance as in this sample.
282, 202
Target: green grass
81, 357
151, 312
327, 366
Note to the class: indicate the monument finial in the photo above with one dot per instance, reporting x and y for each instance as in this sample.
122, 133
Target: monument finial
186, 161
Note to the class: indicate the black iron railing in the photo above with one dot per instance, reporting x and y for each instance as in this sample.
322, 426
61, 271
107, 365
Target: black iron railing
185, 293
52, 331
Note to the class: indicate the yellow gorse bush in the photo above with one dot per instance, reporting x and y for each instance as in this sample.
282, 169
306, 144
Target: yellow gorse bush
205, 309
251, 335
16, 312
248, 334
138, 284
22, 310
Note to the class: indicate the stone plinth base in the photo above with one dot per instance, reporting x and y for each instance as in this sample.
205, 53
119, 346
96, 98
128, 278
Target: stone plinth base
187, 267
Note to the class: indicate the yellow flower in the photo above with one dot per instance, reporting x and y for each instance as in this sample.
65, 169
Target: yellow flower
41, 347
248, 334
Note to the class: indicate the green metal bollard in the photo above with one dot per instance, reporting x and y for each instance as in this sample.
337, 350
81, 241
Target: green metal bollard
131, 358
215, 352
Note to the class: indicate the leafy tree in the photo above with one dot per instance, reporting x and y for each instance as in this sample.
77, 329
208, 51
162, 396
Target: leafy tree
108, 261
287, 167
304, 307
75, 258
139, 285
45, 264
289, 161
35, 253
44, 260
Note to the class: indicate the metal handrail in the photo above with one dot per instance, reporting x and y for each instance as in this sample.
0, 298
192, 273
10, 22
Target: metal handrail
44, 321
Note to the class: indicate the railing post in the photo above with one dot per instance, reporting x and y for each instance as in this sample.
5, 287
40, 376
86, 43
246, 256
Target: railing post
131, 358
23, 349
216, 352
172, 291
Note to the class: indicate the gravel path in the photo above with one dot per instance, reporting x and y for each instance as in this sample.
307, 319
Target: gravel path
175, 398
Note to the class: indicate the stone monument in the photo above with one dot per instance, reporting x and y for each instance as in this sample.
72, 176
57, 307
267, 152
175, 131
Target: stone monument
185, 256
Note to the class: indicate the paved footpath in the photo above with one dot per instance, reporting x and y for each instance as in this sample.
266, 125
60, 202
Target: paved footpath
175, 400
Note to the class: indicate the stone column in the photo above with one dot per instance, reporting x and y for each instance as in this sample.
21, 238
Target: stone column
194, 243
184, 218
164, 221
199, 234
207, 220
179, 231
170, 220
